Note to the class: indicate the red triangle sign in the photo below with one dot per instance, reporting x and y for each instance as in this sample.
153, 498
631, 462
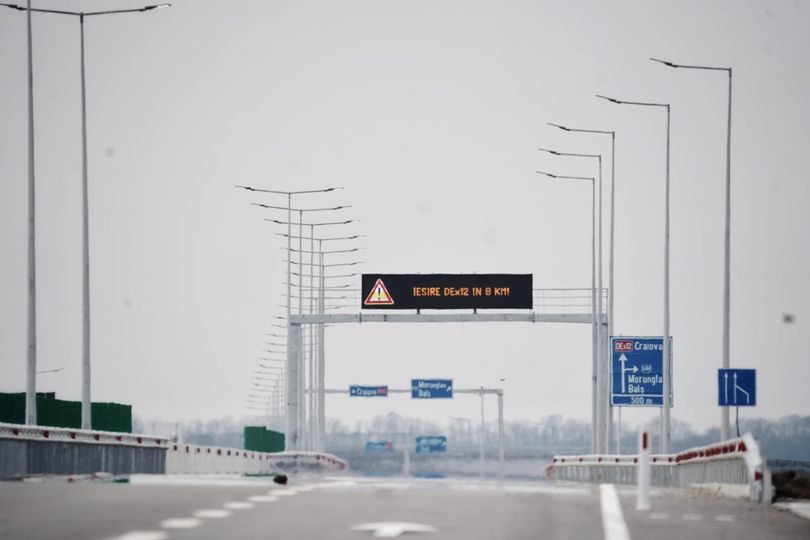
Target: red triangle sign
379, 295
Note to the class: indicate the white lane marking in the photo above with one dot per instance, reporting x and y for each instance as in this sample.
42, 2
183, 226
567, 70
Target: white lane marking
612, 520
693, 517
262, 498
659, 515
392, 529
143, 535
180, 523
725, 518
282, 492
238, 505
213, 513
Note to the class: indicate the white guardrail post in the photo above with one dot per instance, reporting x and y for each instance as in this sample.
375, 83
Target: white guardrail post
644, 473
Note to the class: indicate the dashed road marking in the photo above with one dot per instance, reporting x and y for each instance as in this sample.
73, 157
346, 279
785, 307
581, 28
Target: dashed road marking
393, 529
143, 535
612, 519
262, 498
282, 492
693, 517
725, 518
238, 505
659, 515
180, 523
213, 513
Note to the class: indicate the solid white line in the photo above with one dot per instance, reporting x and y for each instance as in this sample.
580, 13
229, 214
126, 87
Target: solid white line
238, 505
180, 523
213, 513
612, 519
143, 535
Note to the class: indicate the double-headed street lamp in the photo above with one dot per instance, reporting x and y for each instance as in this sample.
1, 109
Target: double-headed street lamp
724, 411
594, 362
86, 408
665, 446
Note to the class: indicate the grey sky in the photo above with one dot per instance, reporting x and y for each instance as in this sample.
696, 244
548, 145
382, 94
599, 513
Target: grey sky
429, 114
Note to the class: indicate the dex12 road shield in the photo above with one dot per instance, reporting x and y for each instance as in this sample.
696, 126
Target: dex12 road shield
446, 291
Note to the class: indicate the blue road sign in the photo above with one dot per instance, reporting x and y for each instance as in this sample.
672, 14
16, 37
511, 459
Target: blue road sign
368, 391
431, 388
737, 387
637, 371
428, 444
379, 446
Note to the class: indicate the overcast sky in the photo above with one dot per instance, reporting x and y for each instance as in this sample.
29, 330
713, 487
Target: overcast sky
430, 114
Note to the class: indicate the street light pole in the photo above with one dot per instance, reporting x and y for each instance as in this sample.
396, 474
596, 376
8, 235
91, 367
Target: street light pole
611, 293
603, 426
86, 402
594, 347
31, 378
724, 411
665, 416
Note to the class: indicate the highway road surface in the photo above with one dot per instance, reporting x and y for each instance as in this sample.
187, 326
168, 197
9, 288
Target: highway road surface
199, 507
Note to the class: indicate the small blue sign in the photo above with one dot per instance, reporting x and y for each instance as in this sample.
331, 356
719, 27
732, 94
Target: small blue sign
737, 387
637, 371
429, 444
368, 391
431, 388
379, 446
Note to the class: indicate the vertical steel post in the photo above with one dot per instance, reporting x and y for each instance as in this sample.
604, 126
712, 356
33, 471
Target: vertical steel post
321, 355
31, 360
500, 434
289, 420
601, 330
483, 434
667, 383
86, 402
300, 358
611, 294
292, 442
595, 431
724, 413
311, 361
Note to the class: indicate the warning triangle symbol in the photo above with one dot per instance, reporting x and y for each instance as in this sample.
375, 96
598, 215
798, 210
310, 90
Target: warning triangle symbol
379, 295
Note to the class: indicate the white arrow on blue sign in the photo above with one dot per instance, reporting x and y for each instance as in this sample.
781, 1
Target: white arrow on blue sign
737, 387
637, 371
431, 388
431, 443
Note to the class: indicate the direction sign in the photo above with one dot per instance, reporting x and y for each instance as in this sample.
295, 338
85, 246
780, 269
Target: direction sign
368, 391
737, 387
446, 291
431, 388
429, 444
379, 446
637, 371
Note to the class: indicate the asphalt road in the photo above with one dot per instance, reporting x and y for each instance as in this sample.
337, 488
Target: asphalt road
154, 508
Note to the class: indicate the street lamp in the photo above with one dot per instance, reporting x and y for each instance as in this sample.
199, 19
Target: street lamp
602, 444
611, 294
594, 361
667, 383
724, 411
86, 408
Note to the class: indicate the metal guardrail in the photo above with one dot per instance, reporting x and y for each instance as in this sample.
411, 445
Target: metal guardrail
37, 450
733, 462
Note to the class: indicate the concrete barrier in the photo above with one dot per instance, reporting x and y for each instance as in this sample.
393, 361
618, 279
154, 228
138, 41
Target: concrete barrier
194, 459
721, 467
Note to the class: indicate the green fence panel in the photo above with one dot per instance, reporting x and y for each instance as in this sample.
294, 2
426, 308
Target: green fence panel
261, 439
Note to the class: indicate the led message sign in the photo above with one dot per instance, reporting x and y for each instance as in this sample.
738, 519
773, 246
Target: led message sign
446, 291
